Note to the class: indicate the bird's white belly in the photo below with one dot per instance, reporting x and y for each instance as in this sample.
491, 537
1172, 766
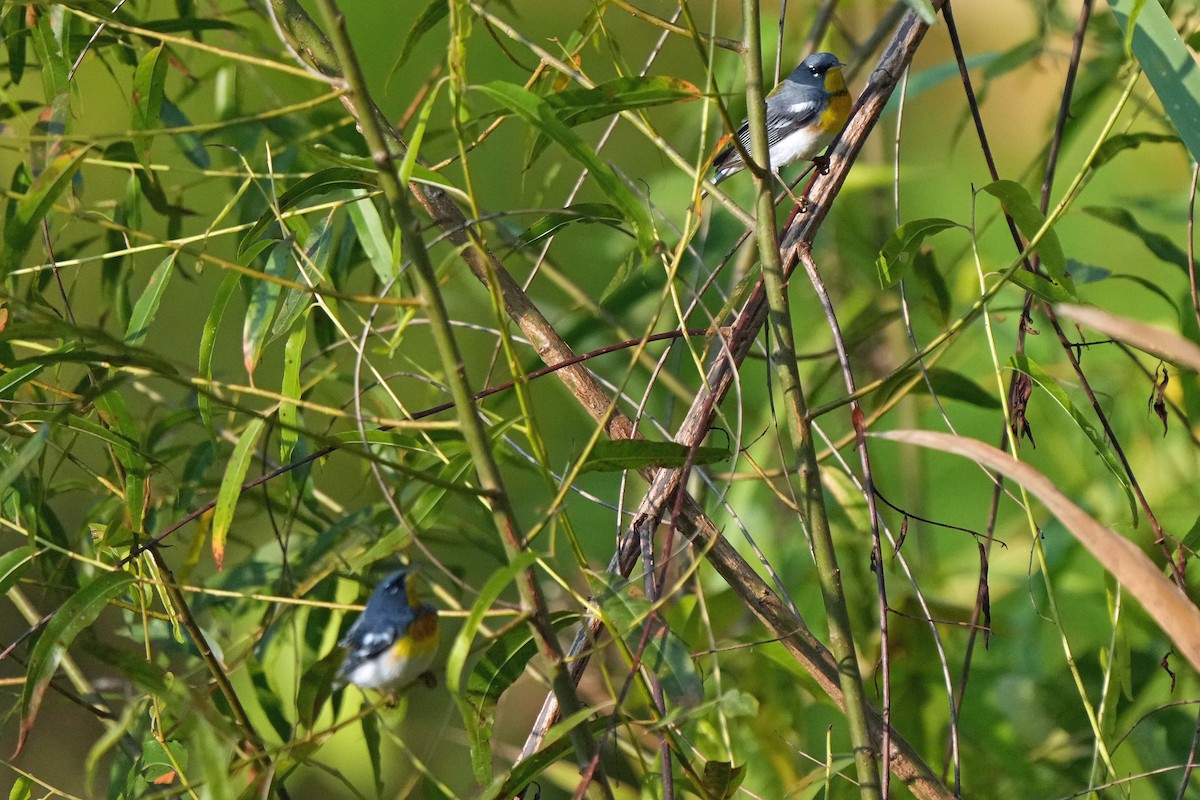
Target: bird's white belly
387, 671
798, 145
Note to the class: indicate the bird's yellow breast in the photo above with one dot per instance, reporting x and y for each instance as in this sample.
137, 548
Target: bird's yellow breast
838, 111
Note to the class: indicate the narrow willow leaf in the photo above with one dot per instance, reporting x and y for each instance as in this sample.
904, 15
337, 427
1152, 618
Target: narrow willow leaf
1161, 246
316, 266
264, 298
1169, 66
499, 667
538, 113
24, 457
903, 244
189, 142
320, 182
208, 338
556, 747
289, 413
1046, 290
577, 106
13, 379
1098, 439
76, 614
479, 730
147, 305
1119, 142
615, 456
316, 687
1174, 612
119, 418
149, 80
435, 12
231, 486
722, 779
12, 29
956, 386
1030, 219
26, 214
665, 654
371, 236
604, 213
13, 565
54, 66
373, 740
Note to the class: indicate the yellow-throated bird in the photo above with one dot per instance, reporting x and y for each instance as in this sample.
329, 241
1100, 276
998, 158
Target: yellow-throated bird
804, 114
395, 638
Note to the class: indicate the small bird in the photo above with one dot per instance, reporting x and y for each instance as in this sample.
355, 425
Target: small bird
394, 640
804, 114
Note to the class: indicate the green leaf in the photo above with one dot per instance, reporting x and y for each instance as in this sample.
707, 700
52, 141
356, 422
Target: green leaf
231, 486
1120, 142
15, 378
12, 29
371, 236
26, 214
75, 615
159, 765
1029, 219
289, 413
957, 386
13, 565
541, 115
149, 81
479, 730
577, 106
903, 245
264, 299
24, 457
665, 655
1168, 64
1097, 438
208, 338
1162, 247
189, 142
316, 687
722, 779
323, 181
435, 12
147, 305
615, 456
373, 740
1046, 290
604, 213
117, 416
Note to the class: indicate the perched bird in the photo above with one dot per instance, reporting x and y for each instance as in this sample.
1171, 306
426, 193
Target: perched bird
804, 114
395, 638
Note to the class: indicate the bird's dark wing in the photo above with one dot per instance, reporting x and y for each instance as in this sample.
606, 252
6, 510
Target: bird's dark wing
367, 644
780, 121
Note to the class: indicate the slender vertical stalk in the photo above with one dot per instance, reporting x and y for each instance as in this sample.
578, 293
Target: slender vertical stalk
783, 356
494, 493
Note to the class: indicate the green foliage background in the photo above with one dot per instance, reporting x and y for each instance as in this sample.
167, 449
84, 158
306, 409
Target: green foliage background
203, 282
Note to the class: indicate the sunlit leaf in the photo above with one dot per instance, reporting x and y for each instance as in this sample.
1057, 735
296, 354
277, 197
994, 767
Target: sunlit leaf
231, 486
1097, 438
1169, 66
1030, 219
26, 213
1161, 246
902, 245
75, 615
541, 115
146, 307
623, 454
